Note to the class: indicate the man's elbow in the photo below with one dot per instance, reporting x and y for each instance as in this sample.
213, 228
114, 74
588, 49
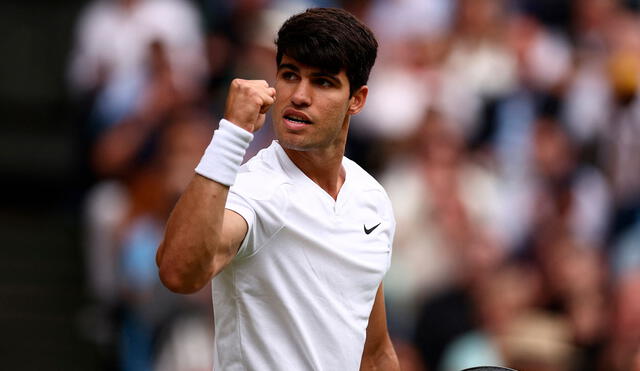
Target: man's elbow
170, 277
182, 276
183, 273
178, 283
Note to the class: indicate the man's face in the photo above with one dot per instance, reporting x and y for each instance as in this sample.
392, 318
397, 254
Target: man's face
312, 106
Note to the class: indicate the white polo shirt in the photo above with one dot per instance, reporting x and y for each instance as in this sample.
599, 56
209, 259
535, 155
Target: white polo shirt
299, 293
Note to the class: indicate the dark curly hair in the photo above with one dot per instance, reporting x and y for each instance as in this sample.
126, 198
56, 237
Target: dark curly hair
331, 39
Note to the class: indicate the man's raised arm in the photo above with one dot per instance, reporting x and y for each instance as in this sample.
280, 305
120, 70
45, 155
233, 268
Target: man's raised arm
201, 236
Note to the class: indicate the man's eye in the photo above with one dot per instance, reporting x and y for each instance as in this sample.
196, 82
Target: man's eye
288, 75
324, 83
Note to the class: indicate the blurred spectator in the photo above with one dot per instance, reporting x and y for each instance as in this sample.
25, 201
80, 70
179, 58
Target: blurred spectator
621, 145
114, 71
573, 278
500, 299
479, 66
567, 193
446, 206
110, 71
113, 36
143, 61
624, 343
420, 19
538, 341
118, 154
625, 256
147, 307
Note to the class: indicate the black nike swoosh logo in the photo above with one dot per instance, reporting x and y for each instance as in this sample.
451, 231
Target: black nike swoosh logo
369, 230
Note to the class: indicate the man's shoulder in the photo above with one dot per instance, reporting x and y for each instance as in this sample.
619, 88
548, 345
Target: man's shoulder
362, 180
261, 176
366, 186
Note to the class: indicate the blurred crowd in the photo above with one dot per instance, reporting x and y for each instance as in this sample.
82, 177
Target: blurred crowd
506, 132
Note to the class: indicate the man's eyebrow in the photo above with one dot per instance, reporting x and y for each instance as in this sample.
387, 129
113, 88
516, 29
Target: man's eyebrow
326, 74
289, 66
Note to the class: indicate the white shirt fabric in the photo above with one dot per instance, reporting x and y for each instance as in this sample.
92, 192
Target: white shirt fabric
299, 293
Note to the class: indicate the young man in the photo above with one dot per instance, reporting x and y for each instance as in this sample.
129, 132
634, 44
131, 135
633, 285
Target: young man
300, 242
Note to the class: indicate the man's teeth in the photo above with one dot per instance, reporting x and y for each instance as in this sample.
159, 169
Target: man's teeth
297, 119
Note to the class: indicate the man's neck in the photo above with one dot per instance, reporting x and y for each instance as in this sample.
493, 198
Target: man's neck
323, 167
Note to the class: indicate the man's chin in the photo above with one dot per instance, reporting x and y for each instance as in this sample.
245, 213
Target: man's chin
291, 145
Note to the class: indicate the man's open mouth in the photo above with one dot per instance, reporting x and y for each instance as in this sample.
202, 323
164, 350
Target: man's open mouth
297, 119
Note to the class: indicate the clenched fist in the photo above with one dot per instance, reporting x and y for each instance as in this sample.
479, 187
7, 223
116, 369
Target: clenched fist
247, 103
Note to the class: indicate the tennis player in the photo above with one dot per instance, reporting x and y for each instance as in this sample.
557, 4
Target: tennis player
298, 239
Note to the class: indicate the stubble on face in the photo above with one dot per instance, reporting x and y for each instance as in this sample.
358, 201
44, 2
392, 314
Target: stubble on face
322, 98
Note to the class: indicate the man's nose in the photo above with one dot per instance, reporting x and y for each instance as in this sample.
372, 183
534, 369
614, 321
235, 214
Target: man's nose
302, 94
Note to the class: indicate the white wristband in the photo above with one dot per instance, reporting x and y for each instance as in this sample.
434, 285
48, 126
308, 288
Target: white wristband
223, 156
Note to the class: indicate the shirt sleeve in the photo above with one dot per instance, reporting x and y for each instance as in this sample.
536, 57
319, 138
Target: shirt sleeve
259, 199
238, 204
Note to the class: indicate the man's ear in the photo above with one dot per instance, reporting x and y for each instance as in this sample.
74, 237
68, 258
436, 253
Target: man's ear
358, 99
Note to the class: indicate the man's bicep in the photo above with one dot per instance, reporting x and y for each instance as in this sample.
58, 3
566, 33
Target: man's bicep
234, 230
